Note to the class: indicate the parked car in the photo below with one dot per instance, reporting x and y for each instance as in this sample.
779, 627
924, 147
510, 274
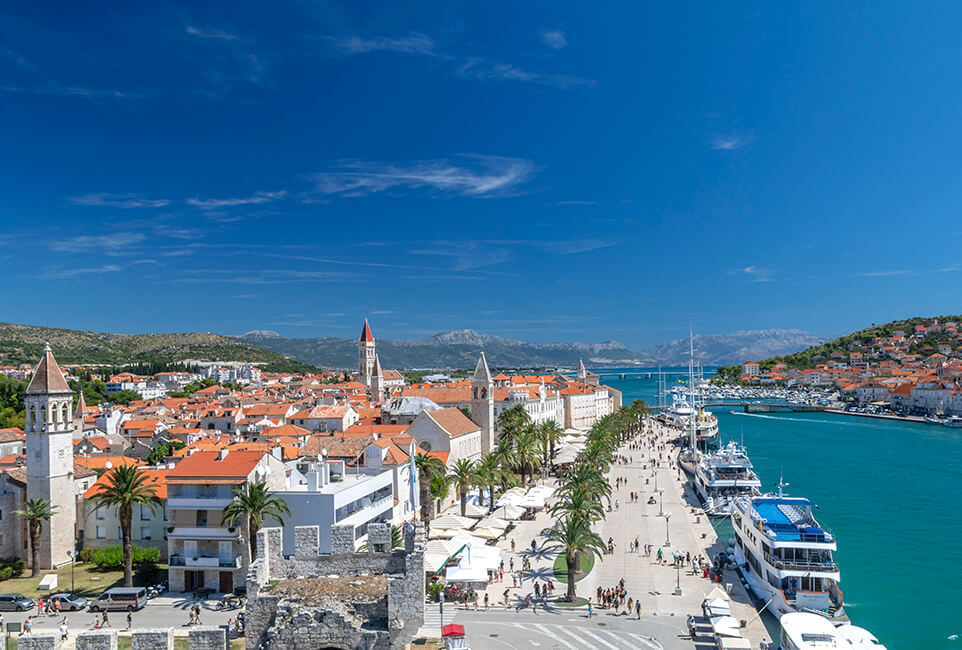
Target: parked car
16, 603
69, 602
120, 598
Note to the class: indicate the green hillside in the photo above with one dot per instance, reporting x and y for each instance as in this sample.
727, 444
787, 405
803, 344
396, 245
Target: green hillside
816, 354
24, 344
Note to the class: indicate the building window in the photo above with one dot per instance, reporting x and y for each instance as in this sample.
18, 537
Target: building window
144, 513
100, 532
145, 532
100, 513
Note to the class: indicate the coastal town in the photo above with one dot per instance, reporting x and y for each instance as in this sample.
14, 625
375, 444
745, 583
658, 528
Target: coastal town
915, 372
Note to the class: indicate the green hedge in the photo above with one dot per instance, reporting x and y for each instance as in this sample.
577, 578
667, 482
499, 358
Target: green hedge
11, 568
112, 557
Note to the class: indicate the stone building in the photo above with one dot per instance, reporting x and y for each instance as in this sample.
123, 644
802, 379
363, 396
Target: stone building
49, 431
375, 602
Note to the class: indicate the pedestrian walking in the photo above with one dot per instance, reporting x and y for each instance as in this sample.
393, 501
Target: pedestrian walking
130, 617
505, 596
485, 601
589, 609
63, 630
104, 621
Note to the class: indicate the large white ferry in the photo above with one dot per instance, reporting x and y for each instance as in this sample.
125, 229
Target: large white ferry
723, 475
786, 556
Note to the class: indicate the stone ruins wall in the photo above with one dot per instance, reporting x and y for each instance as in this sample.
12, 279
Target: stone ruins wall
280, 622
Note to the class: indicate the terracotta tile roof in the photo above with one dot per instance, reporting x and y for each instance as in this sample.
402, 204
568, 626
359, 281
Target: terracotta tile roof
440, 394
443, 455
156, 478
206, 464
99, 442
286, 430
11, 435
100, 462
453, 421
366, 335
338, 447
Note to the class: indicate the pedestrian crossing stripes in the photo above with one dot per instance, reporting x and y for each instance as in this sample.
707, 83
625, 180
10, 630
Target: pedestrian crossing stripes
582, 638
431, 627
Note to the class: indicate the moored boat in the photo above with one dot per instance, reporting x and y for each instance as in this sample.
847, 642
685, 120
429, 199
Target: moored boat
724, 475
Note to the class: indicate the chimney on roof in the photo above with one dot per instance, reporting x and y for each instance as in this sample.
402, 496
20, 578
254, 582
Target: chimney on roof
222, 454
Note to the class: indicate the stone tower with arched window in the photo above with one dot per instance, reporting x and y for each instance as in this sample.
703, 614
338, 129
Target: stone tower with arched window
49, 432
365, 355
482, 403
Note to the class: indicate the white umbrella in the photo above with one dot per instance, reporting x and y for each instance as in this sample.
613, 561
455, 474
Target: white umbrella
509, 512
492, 522
452, 521
488, 533
718, 607
726, 626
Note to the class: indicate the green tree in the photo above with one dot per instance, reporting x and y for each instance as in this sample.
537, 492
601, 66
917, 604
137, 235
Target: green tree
549, 434
127, 486
428, 467
125, 397
463, 475
526, 451
159, 453
573, 537
37, 512
440, 486
254, 503
513, 421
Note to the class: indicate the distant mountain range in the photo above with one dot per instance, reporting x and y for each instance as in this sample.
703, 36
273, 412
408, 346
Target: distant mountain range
736, 348
459, 349
456, 349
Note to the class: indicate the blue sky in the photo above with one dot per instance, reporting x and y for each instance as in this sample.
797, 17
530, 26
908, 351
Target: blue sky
545, 171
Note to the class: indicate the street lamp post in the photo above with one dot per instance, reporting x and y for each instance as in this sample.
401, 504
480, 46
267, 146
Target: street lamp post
441, 604
678, 578
667, 529
72, 556
661, 501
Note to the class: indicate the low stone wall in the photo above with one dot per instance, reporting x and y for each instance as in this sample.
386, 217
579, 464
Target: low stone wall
41, 640
97, 640
161, 638
204, 637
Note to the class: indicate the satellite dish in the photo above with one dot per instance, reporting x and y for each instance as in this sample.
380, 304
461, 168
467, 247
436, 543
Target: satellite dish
324, 452
108, 464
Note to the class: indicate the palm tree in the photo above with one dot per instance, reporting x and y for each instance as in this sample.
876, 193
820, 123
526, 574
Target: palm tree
488, 473
551, 434
127, 486
504, 454
440, 486
578, 502
37, 512
428, 467
254, 503
587, 477
574, 537
463, 475
512, 421
526, 450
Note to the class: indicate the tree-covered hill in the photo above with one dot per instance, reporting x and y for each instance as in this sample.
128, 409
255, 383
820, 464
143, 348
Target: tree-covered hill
24, 344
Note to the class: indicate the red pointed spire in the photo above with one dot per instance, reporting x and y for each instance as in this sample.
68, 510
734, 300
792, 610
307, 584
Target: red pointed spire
366, 336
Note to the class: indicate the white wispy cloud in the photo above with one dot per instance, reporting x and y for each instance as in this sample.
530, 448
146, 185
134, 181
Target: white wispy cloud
66, 274
756, 273
413, 43
485, 176
885, 273
255, 199
477, 254
577, 203
125, 201
85, 92
211, 33
730, 141
93, 243
554, 38
483, 70
265, 277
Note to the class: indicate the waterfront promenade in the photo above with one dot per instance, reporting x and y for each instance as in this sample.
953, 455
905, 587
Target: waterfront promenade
664, 613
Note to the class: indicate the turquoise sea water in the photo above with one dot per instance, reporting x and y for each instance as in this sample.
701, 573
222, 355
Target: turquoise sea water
892, 494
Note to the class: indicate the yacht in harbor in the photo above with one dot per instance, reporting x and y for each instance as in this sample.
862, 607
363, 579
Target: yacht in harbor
723, 475
804, 631
786, 556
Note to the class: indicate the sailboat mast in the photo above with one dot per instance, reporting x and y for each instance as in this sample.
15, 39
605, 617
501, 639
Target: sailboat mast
691, 391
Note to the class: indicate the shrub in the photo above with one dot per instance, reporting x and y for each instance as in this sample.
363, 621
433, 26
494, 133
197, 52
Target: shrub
6, 573
145, 555
108, 557
112, 557
11, 568
86, 555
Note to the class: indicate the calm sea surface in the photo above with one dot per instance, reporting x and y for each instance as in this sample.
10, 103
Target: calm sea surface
892, 494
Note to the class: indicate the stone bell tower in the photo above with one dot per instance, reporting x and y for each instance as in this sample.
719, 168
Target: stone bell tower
482, 404
365, 355
49, 432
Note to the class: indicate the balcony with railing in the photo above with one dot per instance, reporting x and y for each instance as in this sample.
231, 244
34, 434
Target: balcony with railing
204, 562
203, 532
198, 497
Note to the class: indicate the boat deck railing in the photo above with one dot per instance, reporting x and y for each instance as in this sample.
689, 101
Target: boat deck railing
800, 565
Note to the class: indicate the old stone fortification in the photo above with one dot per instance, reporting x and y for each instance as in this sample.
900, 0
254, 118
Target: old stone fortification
370, 600
202, 637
